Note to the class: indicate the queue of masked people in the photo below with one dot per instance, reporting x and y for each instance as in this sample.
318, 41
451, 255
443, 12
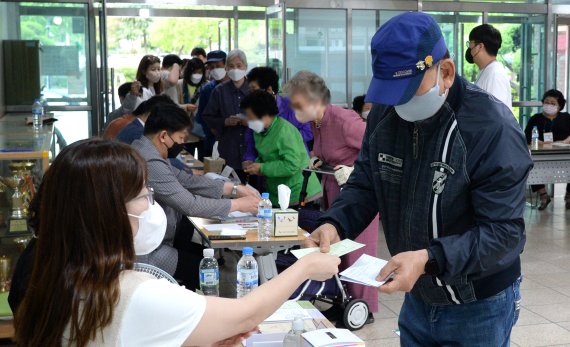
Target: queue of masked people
266, 136
440, 162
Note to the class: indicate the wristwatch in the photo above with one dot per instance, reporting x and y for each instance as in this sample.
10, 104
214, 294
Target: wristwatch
432, 267
234, 191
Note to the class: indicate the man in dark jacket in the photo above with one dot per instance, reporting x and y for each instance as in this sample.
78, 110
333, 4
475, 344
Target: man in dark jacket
445, 164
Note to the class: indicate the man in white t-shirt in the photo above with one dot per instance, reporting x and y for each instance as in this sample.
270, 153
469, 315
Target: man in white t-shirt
484, 43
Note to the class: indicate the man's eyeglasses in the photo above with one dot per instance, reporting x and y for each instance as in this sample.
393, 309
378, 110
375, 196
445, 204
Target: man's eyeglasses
468, 43
149, 196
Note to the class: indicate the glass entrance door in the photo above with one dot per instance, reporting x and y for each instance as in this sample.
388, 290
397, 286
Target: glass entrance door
275, 47
65, 34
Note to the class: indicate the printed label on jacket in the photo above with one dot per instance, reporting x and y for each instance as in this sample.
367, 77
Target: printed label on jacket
389, 159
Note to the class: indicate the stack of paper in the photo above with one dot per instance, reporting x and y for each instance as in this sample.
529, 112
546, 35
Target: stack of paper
364, 271
232, 232
339, 249
220, 227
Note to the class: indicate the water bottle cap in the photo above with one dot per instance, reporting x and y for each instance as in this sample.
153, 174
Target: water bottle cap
247, 251
298, 324
265, 195
208, 252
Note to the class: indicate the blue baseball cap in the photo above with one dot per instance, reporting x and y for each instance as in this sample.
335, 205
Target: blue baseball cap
403, 49
215, 56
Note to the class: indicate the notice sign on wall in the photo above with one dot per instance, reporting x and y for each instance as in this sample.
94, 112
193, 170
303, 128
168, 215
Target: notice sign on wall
59, 60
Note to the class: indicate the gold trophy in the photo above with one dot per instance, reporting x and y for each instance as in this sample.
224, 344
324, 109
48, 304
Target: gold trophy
5, 269
19, 200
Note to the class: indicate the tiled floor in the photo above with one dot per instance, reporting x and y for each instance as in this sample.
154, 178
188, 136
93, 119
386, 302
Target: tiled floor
545, 314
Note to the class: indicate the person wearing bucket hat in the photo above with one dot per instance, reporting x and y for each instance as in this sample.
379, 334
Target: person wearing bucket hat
446, 166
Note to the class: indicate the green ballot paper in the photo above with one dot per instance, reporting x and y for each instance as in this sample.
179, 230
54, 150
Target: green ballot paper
339, 249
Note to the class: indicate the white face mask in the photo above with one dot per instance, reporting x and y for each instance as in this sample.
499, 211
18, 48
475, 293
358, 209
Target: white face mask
256, 125
236, 74
550, 109
153, 76
421, 107
196, 78
365, 114
218, 73
309, 114
152, 227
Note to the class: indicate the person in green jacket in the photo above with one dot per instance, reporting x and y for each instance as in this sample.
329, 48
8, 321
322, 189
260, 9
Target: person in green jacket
281, 152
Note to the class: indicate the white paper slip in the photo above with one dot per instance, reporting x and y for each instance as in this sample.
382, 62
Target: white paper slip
219, 227
238, 214
249, 226
339, 249
364, 271
232, 232
288, 312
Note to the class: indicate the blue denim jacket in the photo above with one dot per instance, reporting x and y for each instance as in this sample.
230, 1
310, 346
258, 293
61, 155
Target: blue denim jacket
454, 183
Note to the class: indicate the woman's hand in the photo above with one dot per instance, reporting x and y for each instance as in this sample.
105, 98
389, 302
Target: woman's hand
320, 266
342, 173
253, 169
136, 88
191, 107
315, 163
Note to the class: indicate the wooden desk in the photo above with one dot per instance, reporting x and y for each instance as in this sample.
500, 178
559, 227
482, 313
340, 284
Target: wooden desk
274, 244
265, 251
551, 165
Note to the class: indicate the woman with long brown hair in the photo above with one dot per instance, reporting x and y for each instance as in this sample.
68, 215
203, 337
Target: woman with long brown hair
95, 214
150, 81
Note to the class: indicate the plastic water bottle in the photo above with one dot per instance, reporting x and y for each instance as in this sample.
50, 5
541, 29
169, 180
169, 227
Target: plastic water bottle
38, 113
294, 338
534, 142
265, 218
209, 274
247, 274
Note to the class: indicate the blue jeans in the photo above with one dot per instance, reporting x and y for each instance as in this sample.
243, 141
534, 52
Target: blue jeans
486, 322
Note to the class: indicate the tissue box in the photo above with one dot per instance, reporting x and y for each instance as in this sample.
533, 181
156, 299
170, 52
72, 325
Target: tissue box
213, 165
285, 223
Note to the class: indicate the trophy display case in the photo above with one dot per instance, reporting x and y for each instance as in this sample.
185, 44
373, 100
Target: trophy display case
24, 157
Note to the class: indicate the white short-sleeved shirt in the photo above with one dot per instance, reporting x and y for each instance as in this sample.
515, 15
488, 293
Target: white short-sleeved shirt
494, 80
161, 314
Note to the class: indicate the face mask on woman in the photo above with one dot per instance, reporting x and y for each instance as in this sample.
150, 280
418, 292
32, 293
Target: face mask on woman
236, 74
256, 125
152, 227
153, 76
218, 73
550, 109
309, 114
365, 114
196, 78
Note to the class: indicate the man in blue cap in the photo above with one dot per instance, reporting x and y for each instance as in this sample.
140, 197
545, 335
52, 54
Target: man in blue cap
445, 164
216, 68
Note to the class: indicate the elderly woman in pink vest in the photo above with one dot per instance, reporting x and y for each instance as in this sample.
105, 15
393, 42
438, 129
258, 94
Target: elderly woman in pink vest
338, 135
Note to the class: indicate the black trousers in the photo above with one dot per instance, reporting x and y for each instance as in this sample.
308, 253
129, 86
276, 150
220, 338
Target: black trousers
189, 255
